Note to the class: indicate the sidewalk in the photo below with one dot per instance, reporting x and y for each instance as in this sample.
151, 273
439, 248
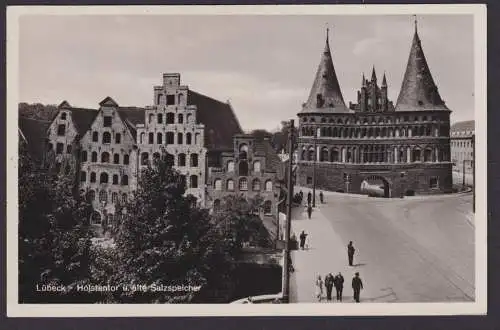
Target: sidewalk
326, 253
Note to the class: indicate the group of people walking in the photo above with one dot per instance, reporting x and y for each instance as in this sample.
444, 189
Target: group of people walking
309, 201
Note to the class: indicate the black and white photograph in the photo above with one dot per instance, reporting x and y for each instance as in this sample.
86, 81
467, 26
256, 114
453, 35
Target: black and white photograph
316, 160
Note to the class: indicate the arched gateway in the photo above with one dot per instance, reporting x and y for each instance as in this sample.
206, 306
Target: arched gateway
376, 185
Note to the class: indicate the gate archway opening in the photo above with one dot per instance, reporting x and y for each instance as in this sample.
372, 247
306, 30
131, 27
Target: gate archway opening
376, 186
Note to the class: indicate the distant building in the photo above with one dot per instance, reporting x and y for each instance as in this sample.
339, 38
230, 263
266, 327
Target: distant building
462, 145
405, 149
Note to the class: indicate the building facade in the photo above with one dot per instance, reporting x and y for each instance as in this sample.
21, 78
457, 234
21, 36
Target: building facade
399, 150
462, 146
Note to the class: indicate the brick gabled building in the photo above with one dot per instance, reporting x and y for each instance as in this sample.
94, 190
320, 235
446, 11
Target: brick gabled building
398, 150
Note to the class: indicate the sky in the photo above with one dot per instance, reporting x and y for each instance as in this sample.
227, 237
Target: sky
264, 65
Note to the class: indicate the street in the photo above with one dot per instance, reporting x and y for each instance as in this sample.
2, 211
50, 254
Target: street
416, 249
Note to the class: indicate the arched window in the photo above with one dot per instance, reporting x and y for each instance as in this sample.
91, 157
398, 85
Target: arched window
160, 118
230, 185
217, 205
144, 158
230, 166
159, 138
170, 138
180, 118
267, 207
83, 176
116, 159
334, 155
188, 138
243, 151
416, 155
92, 176
324, 155
142, 137
125, 180
106, 137
310, 155
126, 159
91, 196
218, 184
151, 116
114, 197
194, 160
256, 166
243, 168
428, 155
103, 178
193, 181
243, 186
151, 138
115, 178
269, 185
170, 118
124, 198
105, 157
95, 137
181, 160
103, 196
256, 185
63, 116
179, 138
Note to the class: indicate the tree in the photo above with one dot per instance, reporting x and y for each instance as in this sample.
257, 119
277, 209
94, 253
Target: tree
164, 239
280, 138
54, 235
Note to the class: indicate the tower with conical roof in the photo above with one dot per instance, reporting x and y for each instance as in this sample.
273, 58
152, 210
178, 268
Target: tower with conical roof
325, 95
418, 90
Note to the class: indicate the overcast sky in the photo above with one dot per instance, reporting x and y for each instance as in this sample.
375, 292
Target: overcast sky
264, 65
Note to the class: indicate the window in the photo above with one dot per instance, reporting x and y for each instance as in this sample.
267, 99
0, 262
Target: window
83, 176
58, 167
309, 180
107, 121
68, 149
160, 118
194, 160
180, 119
243, 151
118, 138
61, 130
94, 157
218, 184
105, 157
170, 118
125, 180
92, 177
267, 207
170, 99
230, 166
63, 116
433, 183
159, 138
115, 178
170, 138
103, 178
103, 196
230, 185
116, 159
106, 137
114, 197
144, 158
243, 168
141, 138
84, 156
170, 159
126, 159
256, 166
95, 137
243, 184
181, 160
179, 138
124, 198
59, 148
256, 185
188, 138
188, 118
91, 196
151, 138
193, 181
150, 117
217, 205
269, 185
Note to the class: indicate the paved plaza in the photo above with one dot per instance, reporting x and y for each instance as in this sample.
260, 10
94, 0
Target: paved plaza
415, 249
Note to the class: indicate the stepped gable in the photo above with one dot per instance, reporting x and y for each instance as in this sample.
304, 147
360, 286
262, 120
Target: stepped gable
418, 90
220, 121
325, 95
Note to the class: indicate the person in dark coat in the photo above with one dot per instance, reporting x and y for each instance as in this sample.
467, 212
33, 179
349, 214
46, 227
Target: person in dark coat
338, 281
350, 253
301, 195
309, 211
357, 286
329, 281
302, 237
321, 197
309, 198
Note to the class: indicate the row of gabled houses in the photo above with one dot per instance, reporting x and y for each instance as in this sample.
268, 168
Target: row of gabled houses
105, 149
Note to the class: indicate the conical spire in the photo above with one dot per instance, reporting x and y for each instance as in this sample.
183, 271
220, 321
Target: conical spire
374, 75
384, 81
363, 81
418, 90
325, 95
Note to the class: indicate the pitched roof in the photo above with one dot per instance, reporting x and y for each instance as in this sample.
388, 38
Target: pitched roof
83, 118
220, 121
132, 116
468, 125
418, 90
325, 95
35, 133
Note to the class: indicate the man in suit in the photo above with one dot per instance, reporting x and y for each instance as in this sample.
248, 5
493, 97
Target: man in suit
329, 286
350, 253
339, 285
357, 286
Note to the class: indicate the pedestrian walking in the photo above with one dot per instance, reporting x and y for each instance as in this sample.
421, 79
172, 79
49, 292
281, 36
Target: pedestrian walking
339, 285
321, 199
329, 280
319, 288
309, 198
309, 211
350, 253
302, 237
357, 286
301, 195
